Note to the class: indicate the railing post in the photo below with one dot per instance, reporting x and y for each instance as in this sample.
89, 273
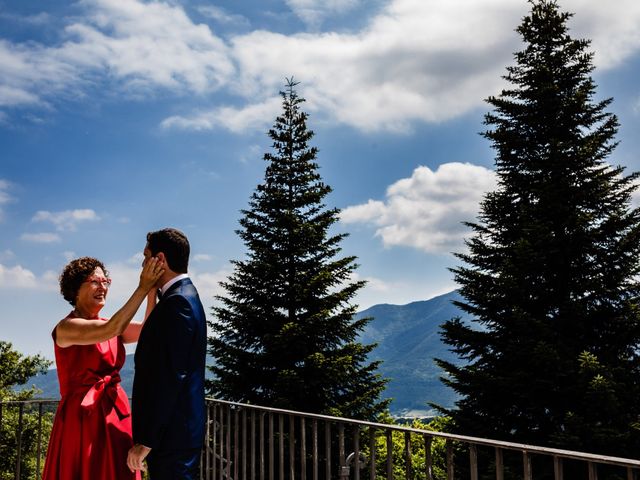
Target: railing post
558, 469
428, 457
526, 461
261, 446
372, 450
407, 453
499, 464
39, 453
341, 456
244, 444
327, 447
303, 450
271, 447
19, 440
593, 471
281, 446
216, 429
314, 453
253, 444
292, 447
450, 466
228, 442
473, 462
389, 434
236, 443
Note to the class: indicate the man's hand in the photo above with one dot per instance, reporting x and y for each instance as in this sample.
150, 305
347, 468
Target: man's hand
136, 457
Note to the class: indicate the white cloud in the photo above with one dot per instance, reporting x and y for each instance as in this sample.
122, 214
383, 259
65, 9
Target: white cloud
41, 237
612, 27
255, 116
66, 220
4, 196
426, 211
7, 255
208, 284
136, 259
415, 61
11, 96
20, 277
202, 257
147, 44
17, 277
222, 16
138, 45
418, 60
313, 12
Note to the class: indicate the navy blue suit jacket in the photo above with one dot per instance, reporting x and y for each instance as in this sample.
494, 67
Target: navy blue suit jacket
168, 410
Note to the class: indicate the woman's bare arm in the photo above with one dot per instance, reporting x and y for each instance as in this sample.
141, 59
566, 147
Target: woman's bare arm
131, 334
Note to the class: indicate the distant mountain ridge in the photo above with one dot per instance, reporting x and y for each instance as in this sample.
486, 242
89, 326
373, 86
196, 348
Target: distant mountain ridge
408, 340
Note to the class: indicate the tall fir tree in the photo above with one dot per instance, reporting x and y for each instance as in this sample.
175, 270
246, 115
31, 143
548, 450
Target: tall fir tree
285, 333
551, 271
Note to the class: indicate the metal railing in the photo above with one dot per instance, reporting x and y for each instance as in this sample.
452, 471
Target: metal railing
246, 442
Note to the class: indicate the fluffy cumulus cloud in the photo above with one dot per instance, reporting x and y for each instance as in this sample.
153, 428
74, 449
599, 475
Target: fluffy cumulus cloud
20, 277
66, 220
426, 211
414, 61
141, 46
417, 60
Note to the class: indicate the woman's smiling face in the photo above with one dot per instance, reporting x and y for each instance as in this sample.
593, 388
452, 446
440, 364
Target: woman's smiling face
92, 294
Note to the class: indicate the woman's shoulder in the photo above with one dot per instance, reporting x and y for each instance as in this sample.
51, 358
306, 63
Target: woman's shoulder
55, 328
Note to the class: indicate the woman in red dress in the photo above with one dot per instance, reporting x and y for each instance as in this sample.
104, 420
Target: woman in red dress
91, 432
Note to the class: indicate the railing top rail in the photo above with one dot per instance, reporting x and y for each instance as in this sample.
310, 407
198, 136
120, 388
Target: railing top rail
556, 452
33, 400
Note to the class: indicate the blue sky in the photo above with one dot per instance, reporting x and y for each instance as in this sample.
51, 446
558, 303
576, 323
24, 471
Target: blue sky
118, 117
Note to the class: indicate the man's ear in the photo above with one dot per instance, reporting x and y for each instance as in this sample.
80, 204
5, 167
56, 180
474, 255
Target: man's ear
161, 258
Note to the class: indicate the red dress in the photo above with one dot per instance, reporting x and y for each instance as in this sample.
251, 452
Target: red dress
91, 432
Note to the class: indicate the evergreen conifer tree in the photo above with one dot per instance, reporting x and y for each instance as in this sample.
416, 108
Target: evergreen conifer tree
551, 271
285, 334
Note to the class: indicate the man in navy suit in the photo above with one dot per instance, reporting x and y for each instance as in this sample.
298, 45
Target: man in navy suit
168, 410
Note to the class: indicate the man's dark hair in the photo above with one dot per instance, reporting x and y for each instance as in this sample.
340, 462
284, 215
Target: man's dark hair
75, 273
175, 246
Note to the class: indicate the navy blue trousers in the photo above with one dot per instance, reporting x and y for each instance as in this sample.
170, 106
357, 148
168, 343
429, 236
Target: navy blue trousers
174, 464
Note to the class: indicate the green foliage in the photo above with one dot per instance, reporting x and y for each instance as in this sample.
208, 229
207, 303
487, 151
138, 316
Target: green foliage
285, 333
551, 273
15, 370
418, 456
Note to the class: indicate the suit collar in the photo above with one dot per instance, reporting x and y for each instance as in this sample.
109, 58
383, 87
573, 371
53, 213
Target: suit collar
173, 282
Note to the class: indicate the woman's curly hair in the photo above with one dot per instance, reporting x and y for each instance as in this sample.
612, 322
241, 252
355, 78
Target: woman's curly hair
75, 273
